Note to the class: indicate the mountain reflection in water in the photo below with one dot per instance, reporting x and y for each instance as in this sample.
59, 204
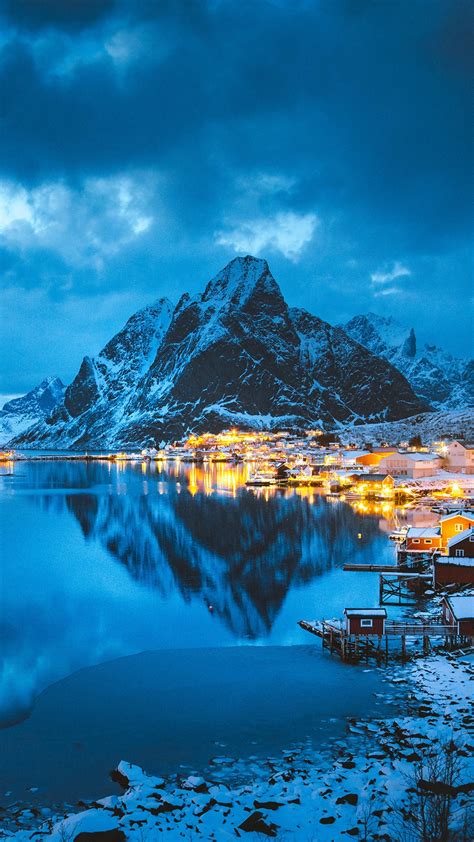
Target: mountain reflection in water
203, 561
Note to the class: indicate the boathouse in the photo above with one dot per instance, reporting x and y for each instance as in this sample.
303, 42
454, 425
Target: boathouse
422, 539
449, 570
458, 611
372, 485
365, 620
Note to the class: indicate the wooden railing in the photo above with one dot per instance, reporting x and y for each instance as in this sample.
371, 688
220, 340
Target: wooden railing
412, 628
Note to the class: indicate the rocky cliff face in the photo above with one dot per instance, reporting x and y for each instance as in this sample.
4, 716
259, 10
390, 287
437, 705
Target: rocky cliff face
441, 379
235, 354
19, 414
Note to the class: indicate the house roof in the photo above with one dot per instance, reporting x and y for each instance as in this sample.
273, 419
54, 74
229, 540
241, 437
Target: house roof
414, 456
365, 612
466, 515
461, 606
461, 536
458, 562
423, 532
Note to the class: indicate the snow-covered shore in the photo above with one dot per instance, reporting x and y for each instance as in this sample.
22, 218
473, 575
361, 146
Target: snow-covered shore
359, 791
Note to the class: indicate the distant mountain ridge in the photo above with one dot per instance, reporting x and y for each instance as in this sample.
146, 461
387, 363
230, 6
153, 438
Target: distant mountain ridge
235, 354
19, 414
445, 381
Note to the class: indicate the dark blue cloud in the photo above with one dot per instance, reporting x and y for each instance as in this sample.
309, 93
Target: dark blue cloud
34, 15
360, 109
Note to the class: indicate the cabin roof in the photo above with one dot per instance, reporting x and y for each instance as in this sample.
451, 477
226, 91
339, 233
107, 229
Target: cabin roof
461, 536
461, 606
423, 532
365, 612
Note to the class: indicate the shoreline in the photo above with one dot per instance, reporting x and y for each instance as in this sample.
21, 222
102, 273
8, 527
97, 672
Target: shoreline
300, 794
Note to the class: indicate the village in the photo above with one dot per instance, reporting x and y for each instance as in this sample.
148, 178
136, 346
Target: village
431, 489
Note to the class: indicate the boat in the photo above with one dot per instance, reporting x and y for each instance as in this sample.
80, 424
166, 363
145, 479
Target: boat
261, 478
399, 534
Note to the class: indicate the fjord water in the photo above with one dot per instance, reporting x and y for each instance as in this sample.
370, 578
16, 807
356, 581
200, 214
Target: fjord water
184, 564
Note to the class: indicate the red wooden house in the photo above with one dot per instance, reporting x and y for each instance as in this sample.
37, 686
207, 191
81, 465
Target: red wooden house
365, 620
458, 611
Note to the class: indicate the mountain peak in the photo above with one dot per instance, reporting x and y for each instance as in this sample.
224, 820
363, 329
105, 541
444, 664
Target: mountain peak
238, 279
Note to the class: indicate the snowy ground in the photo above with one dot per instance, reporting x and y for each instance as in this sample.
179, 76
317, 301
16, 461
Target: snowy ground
359, 792
429, 425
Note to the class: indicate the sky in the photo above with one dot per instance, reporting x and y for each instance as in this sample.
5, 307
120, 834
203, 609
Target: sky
145, 143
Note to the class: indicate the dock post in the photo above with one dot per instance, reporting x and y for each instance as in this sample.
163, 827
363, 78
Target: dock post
386, 648
426, 644
404, 647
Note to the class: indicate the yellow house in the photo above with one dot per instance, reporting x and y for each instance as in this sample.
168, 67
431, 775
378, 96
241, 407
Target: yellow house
452, 525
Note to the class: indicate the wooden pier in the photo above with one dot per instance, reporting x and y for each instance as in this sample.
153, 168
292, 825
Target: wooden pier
364, 646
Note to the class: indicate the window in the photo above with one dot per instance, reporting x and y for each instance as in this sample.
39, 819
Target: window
458, 527
459, 553
415, 540
366, 624
471, 537
428, 541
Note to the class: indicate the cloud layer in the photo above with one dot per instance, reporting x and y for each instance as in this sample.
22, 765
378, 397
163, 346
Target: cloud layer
143, 144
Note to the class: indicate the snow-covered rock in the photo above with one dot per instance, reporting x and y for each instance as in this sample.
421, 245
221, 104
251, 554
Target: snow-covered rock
444, 381
20, 413
234, 354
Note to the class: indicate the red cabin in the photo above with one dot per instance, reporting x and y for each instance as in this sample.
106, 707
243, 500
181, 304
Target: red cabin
458, 611
449, 570
365, 620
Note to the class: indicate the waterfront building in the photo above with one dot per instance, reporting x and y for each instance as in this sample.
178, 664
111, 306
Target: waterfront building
422, 539
414, 464
365, 620
453, 525
458, 611
459, 457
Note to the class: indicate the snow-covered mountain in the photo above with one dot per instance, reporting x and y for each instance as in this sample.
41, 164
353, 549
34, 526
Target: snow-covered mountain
234, 354
20, 413
444, 381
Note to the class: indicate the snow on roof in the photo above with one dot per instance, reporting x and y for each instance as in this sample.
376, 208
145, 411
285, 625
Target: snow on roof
462, 607
466, 515
354, 454
461, 536
459, 562
423, 532
365, 612
422, 457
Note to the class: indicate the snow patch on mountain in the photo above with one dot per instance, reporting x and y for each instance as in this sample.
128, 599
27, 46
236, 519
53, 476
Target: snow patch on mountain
446, 382
17, 415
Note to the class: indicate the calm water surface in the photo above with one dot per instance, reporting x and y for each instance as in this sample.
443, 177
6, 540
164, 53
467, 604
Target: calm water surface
101, 561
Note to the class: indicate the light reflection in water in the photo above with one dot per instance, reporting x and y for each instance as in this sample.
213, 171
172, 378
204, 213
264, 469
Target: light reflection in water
103, 559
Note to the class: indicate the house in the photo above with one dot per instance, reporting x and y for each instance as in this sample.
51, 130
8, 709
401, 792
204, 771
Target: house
423, 539
365, 620
462, 544
350, 458
414, 464
372, 485
453, 524
374, 457
459, 457
458, 611
448, 570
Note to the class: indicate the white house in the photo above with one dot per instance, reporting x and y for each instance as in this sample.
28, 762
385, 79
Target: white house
413, 465
460, 457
